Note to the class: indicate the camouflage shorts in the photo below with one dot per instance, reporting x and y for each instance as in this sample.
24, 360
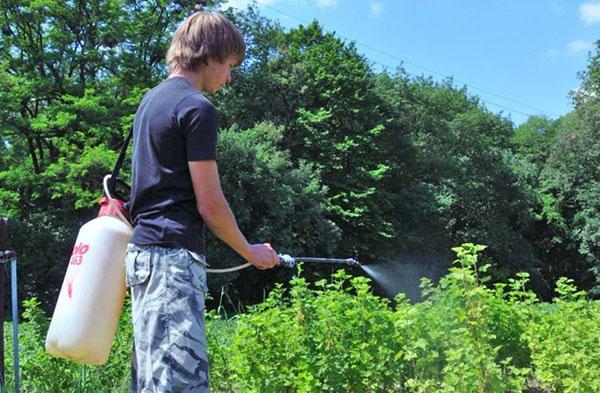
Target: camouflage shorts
167, 291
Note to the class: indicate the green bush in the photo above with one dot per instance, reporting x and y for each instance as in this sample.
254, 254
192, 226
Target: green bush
336, 336
454, 346
564, 338
41, 373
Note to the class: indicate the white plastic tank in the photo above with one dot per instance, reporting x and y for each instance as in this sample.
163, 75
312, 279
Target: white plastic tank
91, 298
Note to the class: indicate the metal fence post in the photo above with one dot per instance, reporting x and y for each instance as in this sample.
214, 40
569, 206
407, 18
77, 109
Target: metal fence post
15, 316
3, 246
5, 257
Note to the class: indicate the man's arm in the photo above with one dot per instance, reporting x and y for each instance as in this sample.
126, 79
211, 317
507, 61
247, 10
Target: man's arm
219, 218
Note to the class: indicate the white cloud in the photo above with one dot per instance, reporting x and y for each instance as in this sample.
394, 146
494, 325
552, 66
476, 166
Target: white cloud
590, 12
327, 3
573, 48
376, 8
577, 46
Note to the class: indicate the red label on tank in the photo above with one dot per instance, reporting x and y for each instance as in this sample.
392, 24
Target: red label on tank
76, 260
78, 252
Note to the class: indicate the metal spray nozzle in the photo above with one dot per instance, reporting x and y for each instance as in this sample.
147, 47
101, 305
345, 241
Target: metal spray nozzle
286, 260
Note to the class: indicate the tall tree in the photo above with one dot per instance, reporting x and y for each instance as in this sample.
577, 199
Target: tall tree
321, 91
74, 74
456, 179
571, 177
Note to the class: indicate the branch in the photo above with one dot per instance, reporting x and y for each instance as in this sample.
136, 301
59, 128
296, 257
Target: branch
36, 165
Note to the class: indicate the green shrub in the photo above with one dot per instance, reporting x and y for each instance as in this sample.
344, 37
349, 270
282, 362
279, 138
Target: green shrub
564, 338
339, 337
453, 345
41, 373
511, 309
336, 336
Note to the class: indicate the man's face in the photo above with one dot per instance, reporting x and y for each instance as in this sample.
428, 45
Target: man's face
215, 75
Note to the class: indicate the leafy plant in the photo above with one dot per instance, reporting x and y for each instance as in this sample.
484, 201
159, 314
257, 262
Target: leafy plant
563, 338
336, 336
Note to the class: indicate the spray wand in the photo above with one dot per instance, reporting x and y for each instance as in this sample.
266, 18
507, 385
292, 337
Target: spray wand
289, 261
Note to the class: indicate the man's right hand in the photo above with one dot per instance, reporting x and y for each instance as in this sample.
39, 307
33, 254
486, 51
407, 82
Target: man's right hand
262, 256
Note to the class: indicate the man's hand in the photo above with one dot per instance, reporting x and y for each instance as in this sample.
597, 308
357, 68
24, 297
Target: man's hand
262, 256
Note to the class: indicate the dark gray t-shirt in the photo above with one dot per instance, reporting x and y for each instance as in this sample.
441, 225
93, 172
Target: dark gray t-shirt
175, 123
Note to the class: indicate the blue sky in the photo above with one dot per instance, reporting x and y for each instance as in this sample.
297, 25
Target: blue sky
519, 57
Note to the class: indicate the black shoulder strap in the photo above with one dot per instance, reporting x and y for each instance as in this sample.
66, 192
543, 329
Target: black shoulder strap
122, 152
114, 177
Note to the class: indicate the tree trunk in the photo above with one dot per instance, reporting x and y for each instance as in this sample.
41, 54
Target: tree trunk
34, 159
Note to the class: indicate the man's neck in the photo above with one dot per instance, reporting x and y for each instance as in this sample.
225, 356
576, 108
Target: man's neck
191, 76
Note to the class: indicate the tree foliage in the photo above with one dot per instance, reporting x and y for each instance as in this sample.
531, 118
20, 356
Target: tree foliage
321, 91
319, 154
73, 73
272, 199
565, 177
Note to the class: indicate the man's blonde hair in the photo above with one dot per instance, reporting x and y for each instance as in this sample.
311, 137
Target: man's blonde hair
203, 36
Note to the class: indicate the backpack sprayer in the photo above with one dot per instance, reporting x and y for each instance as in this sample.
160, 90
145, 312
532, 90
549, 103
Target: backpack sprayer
91, 298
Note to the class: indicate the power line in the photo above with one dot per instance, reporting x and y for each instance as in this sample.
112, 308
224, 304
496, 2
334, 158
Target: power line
386, 66
458, 80
428, 70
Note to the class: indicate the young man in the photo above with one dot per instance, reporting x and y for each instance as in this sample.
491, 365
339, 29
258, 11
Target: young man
175, 194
